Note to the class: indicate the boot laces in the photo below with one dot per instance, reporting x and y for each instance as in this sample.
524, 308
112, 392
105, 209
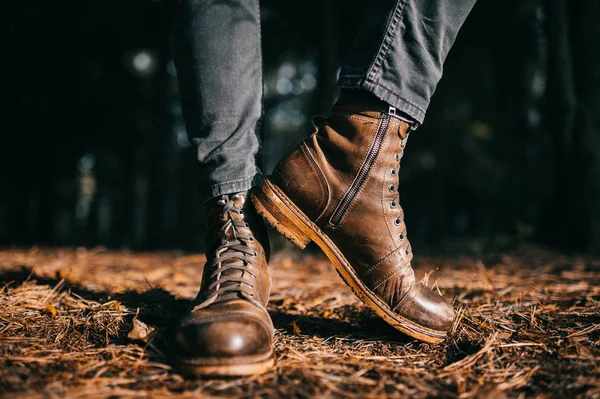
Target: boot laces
398, 221
233, 275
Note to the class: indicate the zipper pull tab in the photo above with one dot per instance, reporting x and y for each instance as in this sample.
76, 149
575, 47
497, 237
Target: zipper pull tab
412, 125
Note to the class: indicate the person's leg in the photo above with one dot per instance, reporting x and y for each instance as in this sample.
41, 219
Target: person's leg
228, 331
219, 66
400, 50
340, 187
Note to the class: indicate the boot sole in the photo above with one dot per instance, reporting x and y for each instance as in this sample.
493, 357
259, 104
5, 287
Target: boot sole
190, 367
281, 213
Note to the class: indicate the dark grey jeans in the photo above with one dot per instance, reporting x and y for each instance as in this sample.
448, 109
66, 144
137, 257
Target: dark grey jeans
397, 56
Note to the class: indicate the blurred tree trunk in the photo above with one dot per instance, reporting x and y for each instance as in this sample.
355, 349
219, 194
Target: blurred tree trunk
585, 18
328, 57
574, 87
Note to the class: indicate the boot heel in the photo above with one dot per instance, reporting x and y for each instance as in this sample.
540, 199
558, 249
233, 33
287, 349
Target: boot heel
269, 205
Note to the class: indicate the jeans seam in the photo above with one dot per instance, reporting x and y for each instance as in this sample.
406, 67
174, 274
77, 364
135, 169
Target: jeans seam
384, 47
259, 122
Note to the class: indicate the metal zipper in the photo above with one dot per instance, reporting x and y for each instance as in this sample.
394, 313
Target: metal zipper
356, 185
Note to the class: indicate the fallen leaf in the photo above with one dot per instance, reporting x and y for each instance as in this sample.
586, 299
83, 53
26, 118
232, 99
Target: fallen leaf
50, 310
140, 330
295, 327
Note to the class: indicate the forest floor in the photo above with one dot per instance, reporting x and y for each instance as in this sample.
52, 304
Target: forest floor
528, 325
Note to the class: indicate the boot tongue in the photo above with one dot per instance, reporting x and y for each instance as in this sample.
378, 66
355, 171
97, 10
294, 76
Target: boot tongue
217, 216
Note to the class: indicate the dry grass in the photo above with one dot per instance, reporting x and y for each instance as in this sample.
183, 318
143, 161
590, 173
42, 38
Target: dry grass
528, 326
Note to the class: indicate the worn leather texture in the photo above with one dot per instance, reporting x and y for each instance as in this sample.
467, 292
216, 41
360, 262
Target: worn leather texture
229, 319
371, 232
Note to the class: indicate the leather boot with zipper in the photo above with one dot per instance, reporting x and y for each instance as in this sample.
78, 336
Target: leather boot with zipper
339, 188
229, 332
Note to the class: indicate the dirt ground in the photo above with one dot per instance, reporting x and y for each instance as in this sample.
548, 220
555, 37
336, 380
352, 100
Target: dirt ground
93, 323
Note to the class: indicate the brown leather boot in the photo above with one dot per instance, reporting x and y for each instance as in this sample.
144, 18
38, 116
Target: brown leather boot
339, 188
229, 331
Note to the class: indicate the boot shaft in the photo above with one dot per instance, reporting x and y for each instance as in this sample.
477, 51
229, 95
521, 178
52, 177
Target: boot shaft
345, 177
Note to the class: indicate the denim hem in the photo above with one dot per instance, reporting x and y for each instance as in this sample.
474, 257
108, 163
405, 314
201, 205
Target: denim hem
230, 187
384, 94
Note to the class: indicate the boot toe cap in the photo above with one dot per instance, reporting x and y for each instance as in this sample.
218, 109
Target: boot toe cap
223, 339
426, 308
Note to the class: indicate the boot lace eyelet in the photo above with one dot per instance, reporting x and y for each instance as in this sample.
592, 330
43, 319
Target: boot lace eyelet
397, 221
393, 172
397, 156
401, 236
406, 251
393, 204
246, 225
251, 239
392, 188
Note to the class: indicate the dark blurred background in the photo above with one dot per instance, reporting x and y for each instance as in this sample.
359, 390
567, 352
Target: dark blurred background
93, 149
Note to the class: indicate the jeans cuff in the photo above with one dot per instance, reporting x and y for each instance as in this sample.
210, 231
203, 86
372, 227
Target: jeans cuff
230, 187
384, 94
